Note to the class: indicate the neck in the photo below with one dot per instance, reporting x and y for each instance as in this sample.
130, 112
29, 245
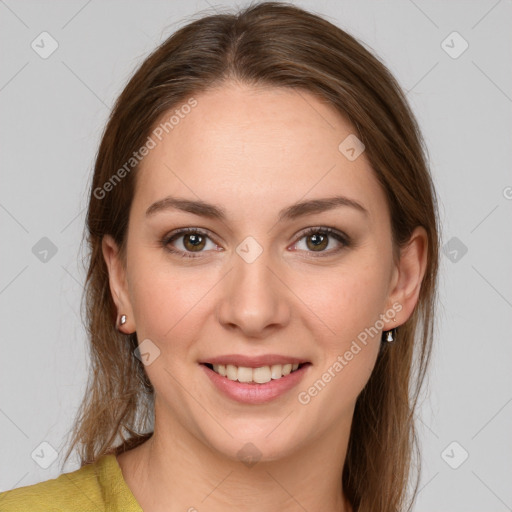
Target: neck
174, 471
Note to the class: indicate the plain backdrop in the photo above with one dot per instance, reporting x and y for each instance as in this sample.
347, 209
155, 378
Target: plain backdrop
454, 60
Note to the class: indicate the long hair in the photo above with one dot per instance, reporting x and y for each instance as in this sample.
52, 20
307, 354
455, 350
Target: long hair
280, 45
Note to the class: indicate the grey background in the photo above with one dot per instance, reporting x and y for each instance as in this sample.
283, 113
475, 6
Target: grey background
53, 113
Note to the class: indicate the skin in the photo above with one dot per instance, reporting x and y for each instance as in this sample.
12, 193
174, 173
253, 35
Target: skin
254, 151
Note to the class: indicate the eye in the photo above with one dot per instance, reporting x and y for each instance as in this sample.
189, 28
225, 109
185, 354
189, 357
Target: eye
194, 240
317, 240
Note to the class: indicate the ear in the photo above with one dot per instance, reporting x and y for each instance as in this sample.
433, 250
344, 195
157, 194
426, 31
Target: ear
408, 276
118, 284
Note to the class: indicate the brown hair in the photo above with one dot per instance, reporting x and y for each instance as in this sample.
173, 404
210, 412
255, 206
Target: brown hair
280, 45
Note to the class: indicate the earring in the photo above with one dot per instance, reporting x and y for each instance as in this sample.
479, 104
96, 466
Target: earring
389, 336
123, 320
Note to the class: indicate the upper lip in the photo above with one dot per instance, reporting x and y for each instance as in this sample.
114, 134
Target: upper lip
253, 361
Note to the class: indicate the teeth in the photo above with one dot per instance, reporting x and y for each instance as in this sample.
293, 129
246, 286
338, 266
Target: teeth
231, 372
287, 369
221, 369
259, 375
276, 371
244, 374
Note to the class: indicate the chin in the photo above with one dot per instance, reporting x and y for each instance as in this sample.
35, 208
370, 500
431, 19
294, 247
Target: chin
253, 441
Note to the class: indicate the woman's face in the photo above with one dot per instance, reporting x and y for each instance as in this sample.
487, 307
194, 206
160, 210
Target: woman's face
253, 289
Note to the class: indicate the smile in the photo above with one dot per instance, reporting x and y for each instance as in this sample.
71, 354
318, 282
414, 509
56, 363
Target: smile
256, 384
259, 375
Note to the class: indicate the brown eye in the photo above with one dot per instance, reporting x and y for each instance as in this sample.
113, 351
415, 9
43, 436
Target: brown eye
187, 241
194, 242
318, 241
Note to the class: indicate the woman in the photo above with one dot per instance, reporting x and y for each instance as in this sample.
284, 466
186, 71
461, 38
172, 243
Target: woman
262, 279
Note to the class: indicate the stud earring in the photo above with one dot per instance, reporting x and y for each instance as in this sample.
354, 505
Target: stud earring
123, 320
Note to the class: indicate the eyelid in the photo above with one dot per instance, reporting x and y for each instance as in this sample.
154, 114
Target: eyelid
183, 231
326, 230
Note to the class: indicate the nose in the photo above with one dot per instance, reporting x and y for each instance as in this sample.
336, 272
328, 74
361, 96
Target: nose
254, 298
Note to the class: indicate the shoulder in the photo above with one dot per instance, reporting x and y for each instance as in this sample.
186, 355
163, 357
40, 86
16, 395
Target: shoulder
87, 489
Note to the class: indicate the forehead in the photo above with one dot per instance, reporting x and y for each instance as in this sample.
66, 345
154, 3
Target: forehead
245, 147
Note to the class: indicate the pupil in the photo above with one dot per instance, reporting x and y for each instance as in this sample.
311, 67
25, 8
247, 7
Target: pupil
318, 241
193, 241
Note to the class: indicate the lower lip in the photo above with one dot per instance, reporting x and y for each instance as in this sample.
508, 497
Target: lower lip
256, 393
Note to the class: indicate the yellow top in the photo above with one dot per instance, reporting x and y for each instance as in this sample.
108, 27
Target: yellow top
97, 487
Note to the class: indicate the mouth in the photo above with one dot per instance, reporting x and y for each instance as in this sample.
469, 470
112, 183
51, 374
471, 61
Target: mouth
259, 375
252, 379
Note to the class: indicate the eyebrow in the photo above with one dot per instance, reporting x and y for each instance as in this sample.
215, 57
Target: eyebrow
296, 210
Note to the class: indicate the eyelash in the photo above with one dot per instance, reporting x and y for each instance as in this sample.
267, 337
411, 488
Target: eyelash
339, 236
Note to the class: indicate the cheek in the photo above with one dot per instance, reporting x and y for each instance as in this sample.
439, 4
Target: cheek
344, 309
168, 298
345, 300
341, 301
347, 339
164, 302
